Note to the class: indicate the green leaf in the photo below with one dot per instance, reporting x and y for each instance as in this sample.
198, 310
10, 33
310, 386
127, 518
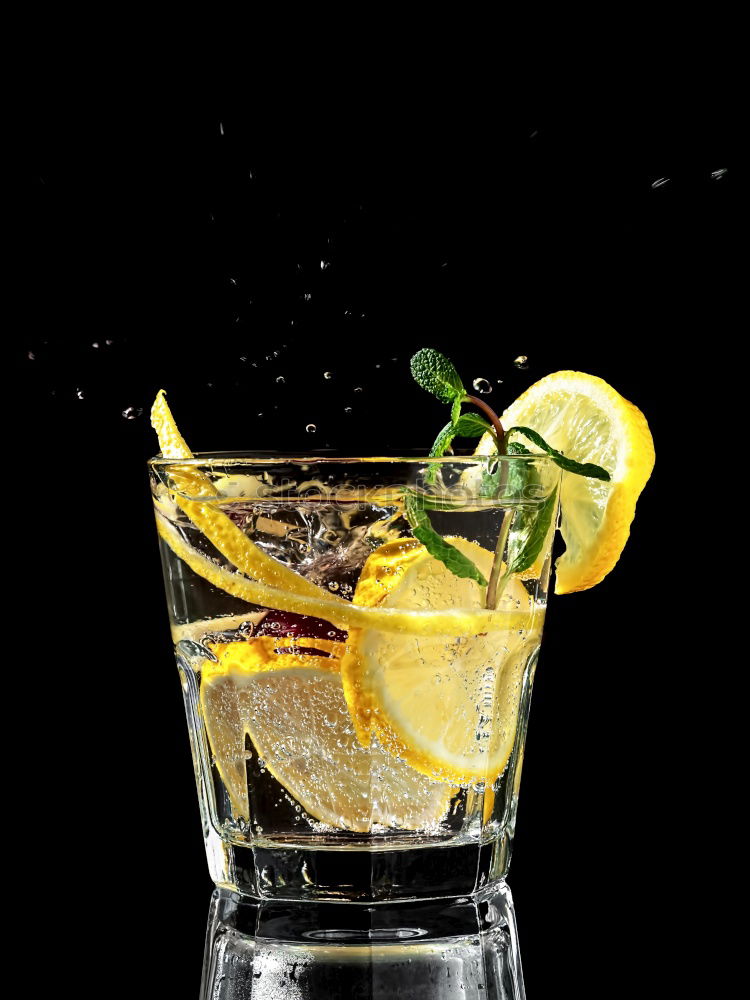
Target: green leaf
516, 448
443, 441
438, 548
456, 409
471, 425
528, 534
468, 425
435, 373
579, 468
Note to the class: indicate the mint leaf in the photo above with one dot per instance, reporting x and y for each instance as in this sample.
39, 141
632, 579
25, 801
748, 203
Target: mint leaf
456, 409
435, 373
579, 468
438, 548
516, 448
528, 533
468, 425
443, 441
471, 425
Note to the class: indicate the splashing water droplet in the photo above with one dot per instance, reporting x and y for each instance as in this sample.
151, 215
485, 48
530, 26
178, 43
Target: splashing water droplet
358, 388
324, 265
280, 380
259, 414
499, 381
243, 358
79, 393
347, 409
718, 174
328, 375
311, 428
31, 356
308, 296
132, 412
221, 128
482, 386
95, 344
109, 342
521, 361
660, 182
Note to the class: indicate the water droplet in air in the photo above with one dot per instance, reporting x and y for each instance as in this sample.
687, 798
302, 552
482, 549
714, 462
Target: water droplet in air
109, 342
328, 375
520, 361
718, 174
243, 358
79, 393
308, 296
347, 409
324, 265
31, 356
259, 414
280, 380
482, 386
95, 344
132, 412
311, 428
499, 381
659, 182
221, 128
358, 388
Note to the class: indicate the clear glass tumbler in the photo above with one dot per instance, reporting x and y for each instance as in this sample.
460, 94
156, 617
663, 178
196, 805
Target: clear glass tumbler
356, 640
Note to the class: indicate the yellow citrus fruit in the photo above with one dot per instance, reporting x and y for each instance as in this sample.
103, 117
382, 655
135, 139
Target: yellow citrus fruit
447, 705
206, 514
453, 621
589, 421
292, 706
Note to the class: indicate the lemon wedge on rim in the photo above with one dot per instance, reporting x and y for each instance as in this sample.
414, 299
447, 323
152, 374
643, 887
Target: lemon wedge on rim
589, 421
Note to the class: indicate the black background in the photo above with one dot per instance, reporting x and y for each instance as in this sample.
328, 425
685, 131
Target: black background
210, 250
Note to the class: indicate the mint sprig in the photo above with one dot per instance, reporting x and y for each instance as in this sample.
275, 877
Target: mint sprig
436, 545
587, 469
437, 375
524, 530
528, 533
468, 425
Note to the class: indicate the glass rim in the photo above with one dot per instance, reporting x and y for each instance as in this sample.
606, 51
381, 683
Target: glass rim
331, 457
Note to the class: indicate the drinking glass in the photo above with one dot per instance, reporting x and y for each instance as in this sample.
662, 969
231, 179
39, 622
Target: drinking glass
356, 640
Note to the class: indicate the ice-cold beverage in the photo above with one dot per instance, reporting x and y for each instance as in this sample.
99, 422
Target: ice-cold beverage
357, 705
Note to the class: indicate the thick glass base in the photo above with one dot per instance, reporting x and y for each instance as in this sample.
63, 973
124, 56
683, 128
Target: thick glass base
298, 872
418, 950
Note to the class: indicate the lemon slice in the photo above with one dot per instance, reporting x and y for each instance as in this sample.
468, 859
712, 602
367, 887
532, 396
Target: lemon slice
455, 621
589, 421
447, 705
221, 531
293, 709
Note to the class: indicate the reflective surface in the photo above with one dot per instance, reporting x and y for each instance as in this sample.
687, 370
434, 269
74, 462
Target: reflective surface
426, 950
